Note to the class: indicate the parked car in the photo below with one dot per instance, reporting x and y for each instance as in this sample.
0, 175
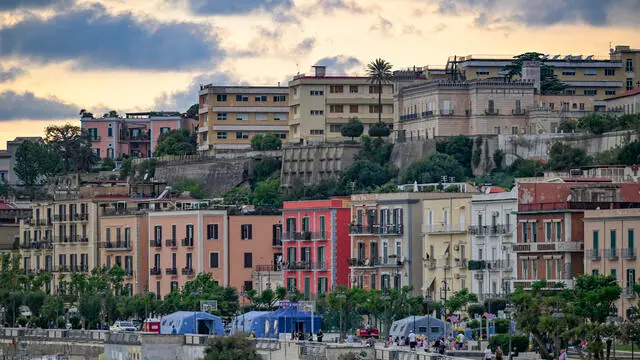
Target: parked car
122, 326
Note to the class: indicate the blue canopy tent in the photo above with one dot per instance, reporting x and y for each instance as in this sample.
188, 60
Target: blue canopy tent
287, 320
183, 321
253, 320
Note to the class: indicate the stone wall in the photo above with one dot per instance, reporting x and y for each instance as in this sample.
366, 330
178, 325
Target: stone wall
405, 153
29, 343
312, 163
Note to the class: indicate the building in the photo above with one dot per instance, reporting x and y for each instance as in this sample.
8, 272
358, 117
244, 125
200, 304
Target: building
8, 160
134, 135
320, 105
609, 240
310, 164
10, 216
386, 240
230, 116
5, 166
630, 59
493, 233
625, 103
316, 245
476, 107
550, 242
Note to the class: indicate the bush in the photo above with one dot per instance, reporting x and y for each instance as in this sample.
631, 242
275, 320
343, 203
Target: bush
494, 305
352, 129
379, 130
564, 157
520, 342
502, 326
498, 158
22, 320
266, 142
107, 165
76, 322
263, 169
126, 167
192, 186
231, 347
61, 322
432, 168
475, 309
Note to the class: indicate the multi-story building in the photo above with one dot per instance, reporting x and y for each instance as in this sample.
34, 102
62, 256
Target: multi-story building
316, 245
446, 217
386, 241
493, 232
476, 107
630, 59
550, 241
609, 241
230, 116
135, 135
625, 103
10, 216
320, 105
8, 159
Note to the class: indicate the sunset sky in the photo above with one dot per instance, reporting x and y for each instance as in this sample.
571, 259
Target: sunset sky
58, 56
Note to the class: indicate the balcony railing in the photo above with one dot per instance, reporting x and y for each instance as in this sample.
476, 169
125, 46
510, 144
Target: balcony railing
128, 273
490, 230
122, 211
593, 254
171, 243
628, 254
43, 245
305, 265
79, 217
492, 112
155, 271
629, 292
375, 262
276, 242
129, 137
563, 246
611, 254
518, 112
187, 271
116, 245
444, 228
60, 217
156, 243
171, 271
446, 112
359, 229
267, 268
73, 268
188, 242
304, 236
72, 239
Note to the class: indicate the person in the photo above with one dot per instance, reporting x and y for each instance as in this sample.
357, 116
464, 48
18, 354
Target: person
350, 338
173, 330
498, 353
293, 335
412, 340
563, 354
310, 336
441, 347
487, 353
460, 340
405, 341
253, 334
320, 335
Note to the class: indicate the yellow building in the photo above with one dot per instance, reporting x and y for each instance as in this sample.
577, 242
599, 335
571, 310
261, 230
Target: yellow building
445, 227
320, 105
230, 116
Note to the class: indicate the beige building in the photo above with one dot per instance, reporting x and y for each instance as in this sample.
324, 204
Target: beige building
610, 250
230, 116
630, 59
320, 105
626, 103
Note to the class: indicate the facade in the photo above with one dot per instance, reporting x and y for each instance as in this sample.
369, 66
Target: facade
8, 159
310, 164
610, 250
630, 59
10, 216
5, 166
476, 107
134, 135
493, 233
625, 103
230, 116
320, 105
316, 245
386, 240
550, 242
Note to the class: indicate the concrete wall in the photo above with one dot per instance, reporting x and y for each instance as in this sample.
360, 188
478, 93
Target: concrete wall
405, 153
310, 164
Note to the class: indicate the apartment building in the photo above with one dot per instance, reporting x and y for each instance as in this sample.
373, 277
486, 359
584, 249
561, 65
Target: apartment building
230, 116
610, 249
135, 134
493, 233
316, 245
630, 59
626, 103
320, 105
10, 215
475, 107
446, 219
386, 240
8, 159
550, 243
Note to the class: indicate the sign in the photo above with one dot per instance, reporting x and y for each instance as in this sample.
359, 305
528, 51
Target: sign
208, 305
307, 306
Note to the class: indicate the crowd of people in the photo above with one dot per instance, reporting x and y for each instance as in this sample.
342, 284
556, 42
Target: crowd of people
417, 341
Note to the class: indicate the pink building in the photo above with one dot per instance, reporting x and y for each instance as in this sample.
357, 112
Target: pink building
134, 135
316, 245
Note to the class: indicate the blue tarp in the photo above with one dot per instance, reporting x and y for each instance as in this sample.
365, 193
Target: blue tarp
183, 322
289, 319
253, 320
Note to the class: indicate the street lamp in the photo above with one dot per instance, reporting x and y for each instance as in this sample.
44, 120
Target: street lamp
427, 300
341, 295
195, 311
385, 297
13, 297
508, 310
558, 316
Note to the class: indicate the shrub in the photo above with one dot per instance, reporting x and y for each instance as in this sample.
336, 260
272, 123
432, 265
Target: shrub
502, 326
495, 305
379, 130
352, 129
520, 342
231, 347
107, 164
61, 322
475, 309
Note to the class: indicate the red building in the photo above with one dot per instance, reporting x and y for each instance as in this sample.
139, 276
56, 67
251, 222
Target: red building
550, 215
316, 245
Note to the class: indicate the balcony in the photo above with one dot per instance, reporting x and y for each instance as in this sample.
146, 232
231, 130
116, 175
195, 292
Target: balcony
551, 284
37, 222
37, 245
72, 239
359, 229
171, 243
444, 229
155, 271
73, 268
446, 112
628, 254
155, 243
490, 230
95, 138
427, 114
60, 217
203, 145
408, 117
304, 236
116, 245
375, 262
171, 271
128, 274
628, 292
187, 271
305, 265
562, 246
611, 254
518, 112
187, 242
79, 217
276, 242
121, 211
492, 112
267, 268
134, 138
593, 254
499, 265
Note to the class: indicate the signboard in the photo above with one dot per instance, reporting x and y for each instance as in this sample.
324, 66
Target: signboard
208, 305
307, 306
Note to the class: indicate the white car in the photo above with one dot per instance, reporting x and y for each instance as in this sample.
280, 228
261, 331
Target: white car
123, 326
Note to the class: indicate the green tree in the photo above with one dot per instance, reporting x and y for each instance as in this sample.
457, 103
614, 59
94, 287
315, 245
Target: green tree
549, 83
266, 142
74, 145
265, 168
231, 348
432, 168
526, 168
176, 142
379, 73
107, 164
35, 162
365, 174
237, 196
460, 147
630, 154
267, 193
192, 112
126, 169
194, 187
459, 300
352, 129
564, 157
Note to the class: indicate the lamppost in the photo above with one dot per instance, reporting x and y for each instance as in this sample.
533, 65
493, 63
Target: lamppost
195, 311
508, 310
385, 297
558, 316
427, 301
341, 295
13, 297
102, 312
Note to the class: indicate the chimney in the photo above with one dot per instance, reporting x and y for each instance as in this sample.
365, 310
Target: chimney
320, 71
531, 73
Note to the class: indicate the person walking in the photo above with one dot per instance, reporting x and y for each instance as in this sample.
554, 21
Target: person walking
499, 353
320, 335
412, 340
487, 353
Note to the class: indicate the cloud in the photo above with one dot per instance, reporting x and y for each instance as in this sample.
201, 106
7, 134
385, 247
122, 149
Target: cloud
440, 28
305, 46
27, 106
340, 64
234, 7
95, 39
181, 100
546, 12
10, 74
9, 5
383, 25
411, 30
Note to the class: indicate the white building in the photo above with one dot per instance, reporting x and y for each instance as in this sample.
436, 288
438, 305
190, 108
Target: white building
492, 232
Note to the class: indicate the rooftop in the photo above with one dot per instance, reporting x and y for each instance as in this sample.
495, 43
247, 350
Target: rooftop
632, 92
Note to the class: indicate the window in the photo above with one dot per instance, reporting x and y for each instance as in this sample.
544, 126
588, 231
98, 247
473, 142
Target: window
353, 89
279, 98
291, 255
189, 231
373, 281
595, 272
353, 109
316, 92
581, 106
247, 231
158, 233
596, 242
373, 89
336, 108
221, 97
212, 231
570, 91
614, 273
631, 241
534, 232
514, 130
242, 116
322, 285
547, 231
631, 278
336, 89
629, 84
534, 269
612, 240
609, 72
280, 116
569, 72
590, 72
242, 98
110, 131
317, 112
609, 91
222, 116
549, 274
164, 130
189, 261
629, 65
323, 226
373, 109
261, 98
248, 285
214, 259
525, 232
496, 130
482, 72
262, 116
93, 133
174, 286
221, 135
335, 128
281, 135
590, 92
291, 284
558, 231
242, 135
305, 223
248, 260
316, 132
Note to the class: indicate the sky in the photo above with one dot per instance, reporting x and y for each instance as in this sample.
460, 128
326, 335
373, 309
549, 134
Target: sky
60, 56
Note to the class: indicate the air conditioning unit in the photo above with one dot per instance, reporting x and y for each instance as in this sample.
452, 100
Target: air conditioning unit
456, 247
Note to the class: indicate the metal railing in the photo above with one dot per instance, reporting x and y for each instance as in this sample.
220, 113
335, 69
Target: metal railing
171, 271
37, 245
490, 230
593, 254
518, 112
187, 271
155, 271
444, 228
304, 235
116, 245
171, 243
628, 254
374, 261
305, 265
188, 242
359, 229
74, 268
492, 111
611, 254
72, 239
157, 243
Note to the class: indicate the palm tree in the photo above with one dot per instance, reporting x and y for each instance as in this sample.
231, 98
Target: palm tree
379, 73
